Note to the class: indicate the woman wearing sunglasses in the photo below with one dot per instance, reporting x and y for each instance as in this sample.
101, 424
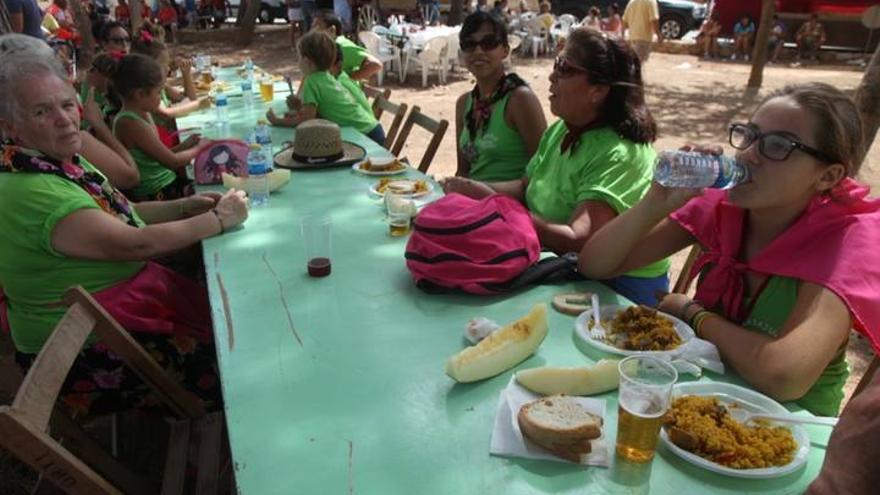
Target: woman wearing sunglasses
595, 162
790, 260
498, 123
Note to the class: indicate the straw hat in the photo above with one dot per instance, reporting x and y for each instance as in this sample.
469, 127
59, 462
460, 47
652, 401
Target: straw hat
318, 143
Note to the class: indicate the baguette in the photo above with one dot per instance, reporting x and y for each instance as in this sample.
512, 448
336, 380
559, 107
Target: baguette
561, 425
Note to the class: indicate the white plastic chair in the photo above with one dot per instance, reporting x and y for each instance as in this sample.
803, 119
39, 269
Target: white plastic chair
514, 42
367, 18
536, 34
380, 30
432, 56
452, 51
381, 49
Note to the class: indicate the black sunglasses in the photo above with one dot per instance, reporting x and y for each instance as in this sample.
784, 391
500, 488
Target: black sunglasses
775, 146
119, 40
489, 42
563, 68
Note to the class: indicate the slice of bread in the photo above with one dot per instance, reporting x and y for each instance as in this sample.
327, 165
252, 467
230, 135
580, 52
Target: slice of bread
561, 425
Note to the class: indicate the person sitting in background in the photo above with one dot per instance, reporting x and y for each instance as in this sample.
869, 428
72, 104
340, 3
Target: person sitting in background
593, 19
356, 60
613, 26
595, 162
72, 227
321, 94
58, 10
499, 122
707, 40
809, 38
780, 320
743, 32
122, 13
776, 39
168, 18
138, 81
114, 37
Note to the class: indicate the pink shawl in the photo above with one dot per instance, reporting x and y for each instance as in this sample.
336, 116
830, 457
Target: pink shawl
835, 243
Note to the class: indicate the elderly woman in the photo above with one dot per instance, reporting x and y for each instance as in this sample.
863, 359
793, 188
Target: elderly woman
73, 227
595, 162
500, 121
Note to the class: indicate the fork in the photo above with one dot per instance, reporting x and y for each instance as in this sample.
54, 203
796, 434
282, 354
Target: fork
597, 332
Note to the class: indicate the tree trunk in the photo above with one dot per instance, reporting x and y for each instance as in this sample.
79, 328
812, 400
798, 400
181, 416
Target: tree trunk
248, 23
456, 9
868, 100
759, 51
84, 27
134, 7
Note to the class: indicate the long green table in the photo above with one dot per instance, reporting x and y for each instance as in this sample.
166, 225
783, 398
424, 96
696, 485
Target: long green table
336, 385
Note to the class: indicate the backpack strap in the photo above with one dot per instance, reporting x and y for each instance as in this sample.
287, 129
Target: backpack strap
547, 270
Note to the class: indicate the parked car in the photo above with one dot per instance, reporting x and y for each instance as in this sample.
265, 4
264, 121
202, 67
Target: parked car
269, 10
677, 17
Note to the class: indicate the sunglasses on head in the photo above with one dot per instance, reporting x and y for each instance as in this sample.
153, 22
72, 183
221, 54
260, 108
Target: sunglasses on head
774, 146
563, 68
487, 43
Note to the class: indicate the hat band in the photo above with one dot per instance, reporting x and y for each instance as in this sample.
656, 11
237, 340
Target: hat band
317, 160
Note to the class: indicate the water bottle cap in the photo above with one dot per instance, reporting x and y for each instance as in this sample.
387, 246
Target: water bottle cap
256, 147
262, 122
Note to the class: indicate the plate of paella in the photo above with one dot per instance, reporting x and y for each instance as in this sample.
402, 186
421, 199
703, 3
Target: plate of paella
631, 330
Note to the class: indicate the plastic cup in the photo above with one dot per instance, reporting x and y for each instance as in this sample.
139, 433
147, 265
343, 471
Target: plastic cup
267, 89
400, 208
316, 230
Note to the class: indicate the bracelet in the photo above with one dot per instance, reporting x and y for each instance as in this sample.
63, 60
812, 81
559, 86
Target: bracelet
219, 220
685, 308
701, 318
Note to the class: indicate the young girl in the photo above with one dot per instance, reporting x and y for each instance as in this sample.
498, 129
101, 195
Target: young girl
790, 259
138, 81
323, 96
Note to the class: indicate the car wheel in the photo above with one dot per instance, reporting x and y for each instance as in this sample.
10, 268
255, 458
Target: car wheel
266, 16
672, 27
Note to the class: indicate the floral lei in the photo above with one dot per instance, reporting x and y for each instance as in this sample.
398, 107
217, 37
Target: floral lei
15, 159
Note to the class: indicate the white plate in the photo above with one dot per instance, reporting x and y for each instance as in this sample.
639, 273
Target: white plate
415, 195
750, 400
357, 168
608, 313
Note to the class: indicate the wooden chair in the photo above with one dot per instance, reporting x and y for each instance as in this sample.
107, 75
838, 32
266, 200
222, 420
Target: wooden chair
681, 283
382, 105
77, 464
374, 93
437, 129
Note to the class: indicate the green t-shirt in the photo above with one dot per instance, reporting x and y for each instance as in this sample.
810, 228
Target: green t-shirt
773, 306
356, 91
602, 166
154, 175
335, 103
34, 275
353, 55
499, 153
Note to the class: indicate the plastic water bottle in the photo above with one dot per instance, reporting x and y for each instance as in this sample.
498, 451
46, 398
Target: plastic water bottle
222, 104
257, 184
689, 169
249, 68
263, 135
247, 91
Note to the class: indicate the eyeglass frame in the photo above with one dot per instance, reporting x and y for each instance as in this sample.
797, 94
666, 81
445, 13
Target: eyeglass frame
497, 40
125, 40
563, 68
759, 138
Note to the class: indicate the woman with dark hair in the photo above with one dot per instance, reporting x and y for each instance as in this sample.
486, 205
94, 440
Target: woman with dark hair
596, 161
114, 37
789, 259
613, 25
500, 121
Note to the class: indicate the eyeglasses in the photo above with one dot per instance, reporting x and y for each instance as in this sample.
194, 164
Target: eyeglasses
119, 40
563, 68
489, 42
774, 146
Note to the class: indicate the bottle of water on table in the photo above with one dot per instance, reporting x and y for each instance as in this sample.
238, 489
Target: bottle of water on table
247, 92
263, 135
257, 183
222, 104
690, 169
249, 68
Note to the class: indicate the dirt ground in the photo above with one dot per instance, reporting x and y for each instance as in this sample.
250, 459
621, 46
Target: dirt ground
692, 100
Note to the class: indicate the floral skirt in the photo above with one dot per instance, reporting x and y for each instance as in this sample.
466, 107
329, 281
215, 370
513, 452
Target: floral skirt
100, 383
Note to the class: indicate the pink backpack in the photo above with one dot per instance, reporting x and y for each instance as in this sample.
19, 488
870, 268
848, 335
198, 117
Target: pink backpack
228, 155
477, 246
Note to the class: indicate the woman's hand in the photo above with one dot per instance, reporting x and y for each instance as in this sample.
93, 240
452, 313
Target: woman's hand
232, 208
199, 203
272, 117
674, 304
204, 102
465, 186
91, 110
293, 102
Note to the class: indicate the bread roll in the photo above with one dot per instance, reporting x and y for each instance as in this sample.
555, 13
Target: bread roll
561, 425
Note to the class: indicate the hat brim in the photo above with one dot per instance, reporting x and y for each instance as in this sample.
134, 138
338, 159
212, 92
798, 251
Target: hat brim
351, 153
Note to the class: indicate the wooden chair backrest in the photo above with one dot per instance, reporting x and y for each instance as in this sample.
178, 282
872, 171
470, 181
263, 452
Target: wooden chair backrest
397, 109
375, 93
681, 282
24, 423
436, 128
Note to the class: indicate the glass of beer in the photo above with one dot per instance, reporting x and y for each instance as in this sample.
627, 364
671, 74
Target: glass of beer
400, 208
267, 89
645, 393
